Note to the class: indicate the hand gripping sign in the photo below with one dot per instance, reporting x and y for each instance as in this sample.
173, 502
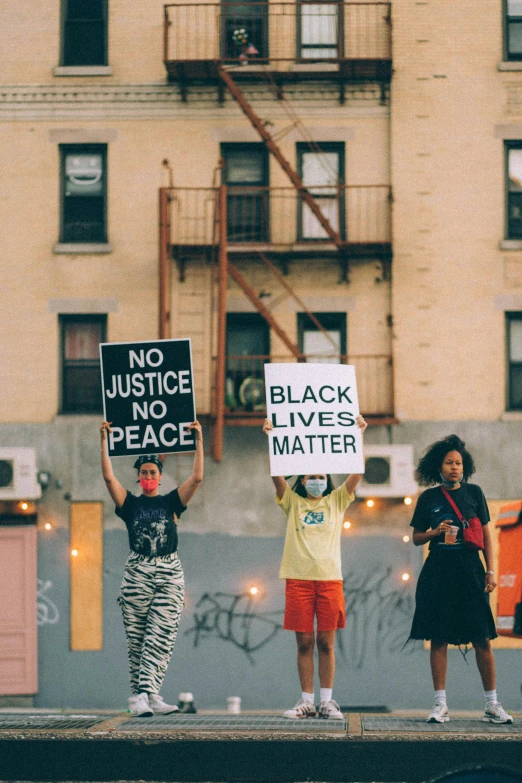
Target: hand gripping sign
313, 408
148, 395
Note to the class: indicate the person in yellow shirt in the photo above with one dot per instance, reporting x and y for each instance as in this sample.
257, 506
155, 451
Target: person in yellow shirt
311, 566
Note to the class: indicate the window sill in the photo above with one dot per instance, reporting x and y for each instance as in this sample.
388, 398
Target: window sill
87, 248
511, 416
321, 67
510, 65
510, 244
82, 70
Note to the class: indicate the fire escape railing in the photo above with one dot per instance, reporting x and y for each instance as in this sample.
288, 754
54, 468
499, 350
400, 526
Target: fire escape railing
278, 217
277, 33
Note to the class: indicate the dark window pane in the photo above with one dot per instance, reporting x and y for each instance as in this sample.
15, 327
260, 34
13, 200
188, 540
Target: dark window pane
83, 219
515, 386
515, 216
82, 388
84, 42
253, 19
85, 9
514, 31
245, 166
247, 216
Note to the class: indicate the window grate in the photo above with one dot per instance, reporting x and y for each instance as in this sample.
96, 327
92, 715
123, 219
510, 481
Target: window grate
454, 726
234, 723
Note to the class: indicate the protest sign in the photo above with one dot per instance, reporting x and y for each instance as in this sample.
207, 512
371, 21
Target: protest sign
148, 395
313, 408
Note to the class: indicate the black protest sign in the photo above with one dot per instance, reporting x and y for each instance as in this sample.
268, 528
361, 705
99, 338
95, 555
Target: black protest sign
148, 395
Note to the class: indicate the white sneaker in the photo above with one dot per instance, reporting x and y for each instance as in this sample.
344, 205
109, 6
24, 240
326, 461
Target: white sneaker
495, 713
139, 706
439, 713
330, 709
303, 709
159, 706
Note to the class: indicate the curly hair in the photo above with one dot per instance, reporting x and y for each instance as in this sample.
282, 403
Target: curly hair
299, 487
428, 469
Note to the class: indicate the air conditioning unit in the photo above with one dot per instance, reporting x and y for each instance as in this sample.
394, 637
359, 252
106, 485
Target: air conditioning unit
18, 479
388, 472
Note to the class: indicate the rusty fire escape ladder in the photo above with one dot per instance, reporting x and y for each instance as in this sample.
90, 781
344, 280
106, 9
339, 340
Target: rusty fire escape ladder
238, 278
273, 148
277, 274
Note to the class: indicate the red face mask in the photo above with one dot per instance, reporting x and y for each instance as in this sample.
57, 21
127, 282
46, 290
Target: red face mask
149, 484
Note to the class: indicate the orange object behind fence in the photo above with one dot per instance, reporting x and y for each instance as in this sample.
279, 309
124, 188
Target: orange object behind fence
509, 606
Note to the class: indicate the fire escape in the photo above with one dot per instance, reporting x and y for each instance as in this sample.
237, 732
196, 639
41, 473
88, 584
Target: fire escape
232, 46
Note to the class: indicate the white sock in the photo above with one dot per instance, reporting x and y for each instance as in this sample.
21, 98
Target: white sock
326, 694
440, 696
490, 696
308, 697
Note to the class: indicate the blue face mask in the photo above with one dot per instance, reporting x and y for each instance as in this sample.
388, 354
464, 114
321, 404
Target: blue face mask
315, 487
450, 484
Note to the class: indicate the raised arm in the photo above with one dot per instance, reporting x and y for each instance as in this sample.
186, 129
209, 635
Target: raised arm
116, 491
188, 488
280, 483
353, 479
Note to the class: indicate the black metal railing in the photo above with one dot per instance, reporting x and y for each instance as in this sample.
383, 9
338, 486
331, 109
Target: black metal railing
281, 34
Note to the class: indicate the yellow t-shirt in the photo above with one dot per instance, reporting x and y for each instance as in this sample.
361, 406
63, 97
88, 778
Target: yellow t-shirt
313, 535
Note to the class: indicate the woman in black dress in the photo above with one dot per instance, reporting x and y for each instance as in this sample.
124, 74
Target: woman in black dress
452, 598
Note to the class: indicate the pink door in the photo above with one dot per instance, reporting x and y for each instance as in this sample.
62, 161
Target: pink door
18, 641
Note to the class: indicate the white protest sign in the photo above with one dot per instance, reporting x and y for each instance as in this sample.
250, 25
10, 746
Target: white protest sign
313, 408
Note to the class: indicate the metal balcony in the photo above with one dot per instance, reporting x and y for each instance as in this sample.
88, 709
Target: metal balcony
277, 220
285, 42
245, 402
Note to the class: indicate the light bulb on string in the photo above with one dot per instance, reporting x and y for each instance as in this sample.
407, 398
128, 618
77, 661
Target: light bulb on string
253, 590
347, 525
408, 501
405, 577
74, 552
405, 539
370, 503
48, 526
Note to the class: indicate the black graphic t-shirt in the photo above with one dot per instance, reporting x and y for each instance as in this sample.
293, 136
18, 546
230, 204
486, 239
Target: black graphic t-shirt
432, 508
150, 522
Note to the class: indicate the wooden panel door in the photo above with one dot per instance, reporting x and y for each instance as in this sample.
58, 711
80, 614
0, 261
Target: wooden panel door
18, 638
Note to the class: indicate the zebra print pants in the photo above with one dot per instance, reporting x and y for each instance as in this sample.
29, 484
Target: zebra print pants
151, 600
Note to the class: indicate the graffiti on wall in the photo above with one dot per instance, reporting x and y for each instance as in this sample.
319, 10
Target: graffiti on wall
378, 616
46, 610
234, 619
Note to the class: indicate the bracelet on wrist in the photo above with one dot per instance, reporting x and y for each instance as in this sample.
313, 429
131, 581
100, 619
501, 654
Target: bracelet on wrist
490, 572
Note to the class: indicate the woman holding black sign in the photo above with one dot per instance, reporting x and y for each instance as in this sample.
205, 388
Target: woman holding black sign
153, 587
452, 598
311, 566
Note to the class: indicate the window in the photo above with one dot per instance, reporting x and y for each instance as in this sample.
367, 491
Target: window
315, 344
514, 347
513, 29
319, 30
514, 190
81, 378
248, 342
252, 17
83, 193
84, 32
246, 174
322, 173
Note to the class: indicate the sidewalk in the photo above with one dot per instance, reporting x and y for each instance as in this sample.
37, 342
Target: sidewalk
40, 745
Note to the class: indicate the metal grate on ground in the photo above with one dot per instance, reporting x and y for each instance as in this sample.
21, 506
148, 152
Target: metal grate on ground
454, 726
15, 721
233, 723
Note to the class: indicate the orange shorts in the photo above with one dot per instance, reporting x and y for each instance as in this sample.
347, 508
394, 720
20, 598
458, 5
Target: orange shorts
307, 598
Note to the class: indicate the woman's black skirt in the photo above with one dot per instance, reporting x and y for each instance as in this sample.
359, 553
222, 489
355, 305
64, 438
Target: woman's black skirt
450, 603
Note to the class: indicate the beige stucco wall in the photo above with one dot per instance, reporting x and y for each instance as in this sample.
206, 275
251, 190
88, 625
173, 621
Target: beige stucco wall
448, 183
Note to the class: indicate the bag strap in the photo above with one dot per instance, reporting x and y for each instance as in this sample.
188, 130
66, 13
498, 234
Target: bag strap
452, 503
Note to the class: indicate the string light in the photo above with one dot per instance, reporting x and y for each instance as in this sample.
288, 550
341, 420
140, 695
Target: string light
24, 506
370, 503
254, 590
408, 501
347, 525
405, 539
405, 577
74, 552
47, 526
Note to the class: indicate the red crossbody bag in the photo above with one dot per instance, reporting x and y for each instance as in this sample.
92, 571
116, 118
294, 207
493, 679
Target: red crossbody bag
472, 532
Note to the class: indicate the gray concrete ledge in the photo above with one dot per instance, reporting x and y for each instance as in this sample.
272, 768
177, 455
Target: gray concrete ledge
510, 244
94, 248
82, 70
